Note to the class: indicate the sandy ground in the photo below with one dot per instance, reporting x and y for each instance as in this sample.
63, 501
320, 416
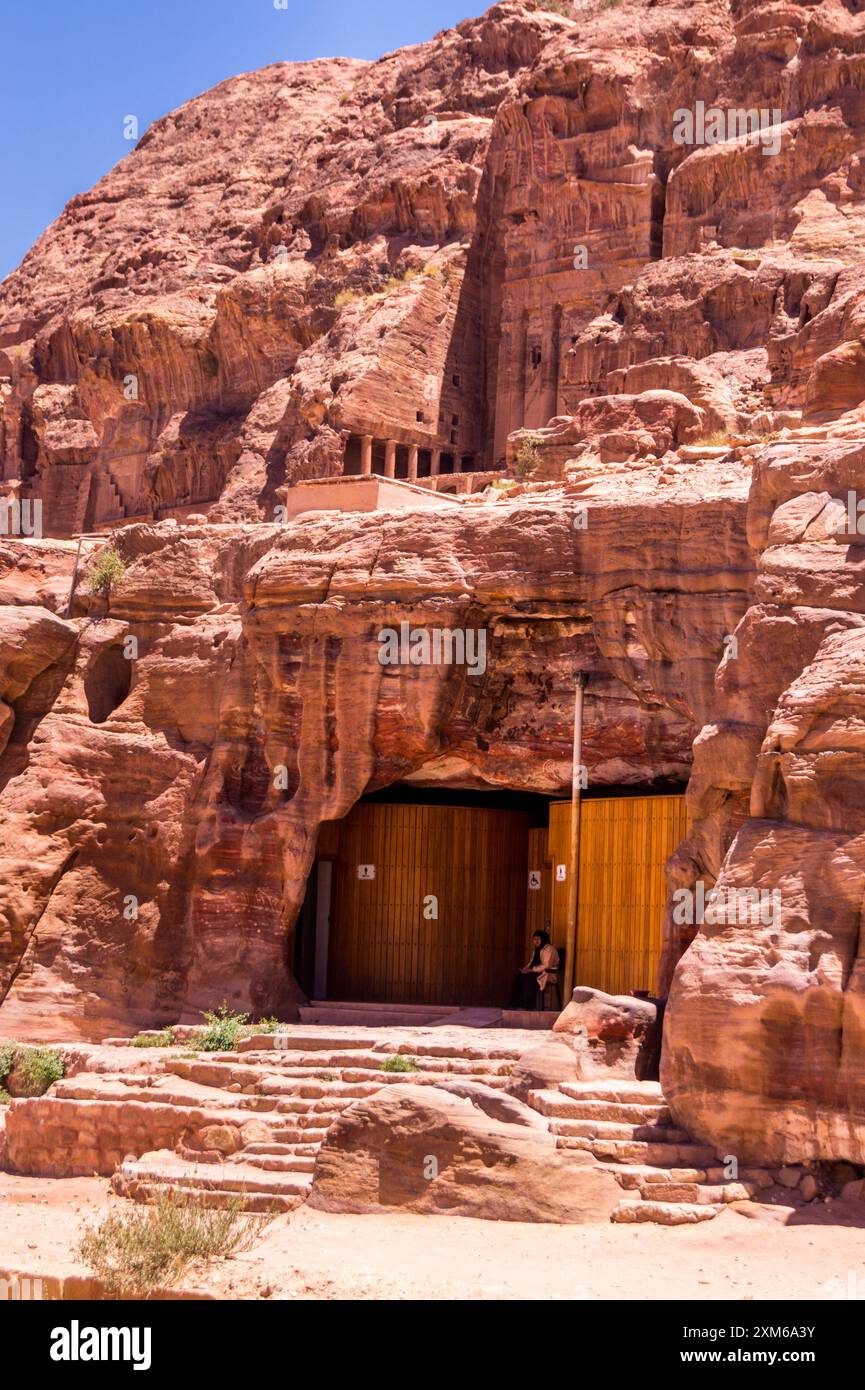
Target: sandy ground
317, 1255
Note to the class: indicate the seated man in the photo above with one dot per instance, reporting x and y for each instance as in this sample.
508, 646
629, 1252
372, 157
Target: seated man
531, 981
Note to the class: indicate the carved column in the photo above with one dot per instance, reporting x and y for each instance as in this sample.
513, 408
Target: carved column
390, 458
412, 463
366, 453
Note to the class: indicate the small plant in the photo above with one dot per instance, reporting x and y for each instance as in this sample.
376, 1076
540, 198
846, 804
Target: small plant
135, 1252
714, 440
558, 7
527, 459
224, 1029
399, 1063
433, 271
108, 570
345, 297
264, 1025
5, 1098
395, 281
165, 1038
7, 1058
37, 1068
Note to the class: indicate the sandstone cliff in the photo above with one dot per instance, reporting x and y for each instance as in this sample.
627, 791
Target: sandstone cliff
285, 265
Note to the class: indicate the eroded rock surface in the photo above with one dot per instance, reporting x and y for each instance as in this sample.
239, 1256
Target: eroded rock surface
491, 242
452, 1151
152, 863
765, 1043
610, 1035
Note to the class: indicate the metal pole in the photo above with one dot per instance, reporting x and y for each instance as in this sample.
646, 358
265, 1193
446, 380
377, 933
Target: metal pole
574, 865
74, 578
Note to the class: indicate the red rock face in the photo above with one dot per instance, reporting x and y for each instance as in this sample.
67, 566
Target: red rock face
257, 650
493, 243
466, 238
764, 1048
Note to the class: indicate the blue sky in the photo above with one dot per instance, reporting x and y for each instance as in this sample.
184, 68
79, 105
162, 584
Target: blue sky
72, 69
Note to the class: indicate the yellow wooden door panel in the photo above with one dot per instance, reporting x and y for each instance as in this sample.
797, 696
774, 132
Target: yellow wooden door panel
624, 845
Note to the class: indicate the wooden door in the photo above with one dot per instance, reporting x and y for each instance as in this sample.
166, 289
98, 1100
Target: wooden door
442, 921
624, 845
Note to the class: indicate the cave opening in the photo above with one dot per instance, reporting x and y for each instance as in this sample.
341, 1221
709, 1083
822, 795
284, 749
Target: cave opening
430, 895
107, 684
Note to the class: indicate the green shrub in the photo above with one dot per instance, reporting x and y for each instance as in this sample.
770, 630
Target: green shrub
165, 1038
399, 1063
345, 297
134, 1252
108, 570
37, 1068
224, 1029
527, 459
7, 1057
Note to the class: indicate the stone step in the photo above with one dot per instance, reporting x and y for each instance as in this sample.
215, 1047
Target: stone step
635, 1177
619, 1092
212, 1183
237, 1178
297, 1042
109, 1088
664, 1213
716, 1194
605, 1129
299, 1065
297, 1135
329, 1108
634, 1151
318, 1115
284, 1044
355, 1082
255, 1203
284, 1150
276, 1163
553, 1103
384, 1008
360, 1018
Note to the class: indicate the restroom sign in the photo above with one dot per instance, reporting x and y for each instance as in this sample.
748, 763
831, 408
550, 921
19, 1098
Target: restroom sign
366, 871
561, 872
534, 879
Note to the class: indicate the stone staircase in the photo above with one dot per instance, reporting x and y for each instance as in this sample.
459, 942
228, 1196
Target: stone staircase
627, 1127
281, 1093
247, 1125
355, 1014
